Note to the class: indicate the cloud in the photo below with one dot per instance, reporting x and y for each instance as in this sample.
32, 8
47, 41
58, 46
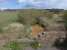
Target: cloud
21, 1
31, 1
45, 3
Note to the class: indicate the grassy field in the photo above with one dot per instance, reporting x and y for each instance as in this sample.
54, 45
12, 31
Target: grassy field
30, 17
7, 18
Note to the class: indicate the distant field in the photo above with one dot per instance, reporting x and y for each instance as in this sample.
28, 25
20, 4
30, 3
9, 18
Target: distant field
7, 17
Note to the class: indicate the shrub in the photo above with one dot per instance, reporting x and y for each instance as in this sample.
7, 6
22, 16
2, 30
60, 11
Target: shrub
65, 19
1, 30
21, 19
15, 45
35, 45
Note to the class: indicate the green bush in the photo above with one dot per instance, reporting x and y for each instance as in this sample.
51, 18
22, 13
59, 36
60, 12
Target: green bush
15, 45
65, 19
35, 45
21, 19
1, 30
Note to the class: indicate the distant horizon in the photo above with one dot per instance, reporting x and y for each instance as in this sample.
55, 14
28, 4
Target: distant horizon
31, 8
36, 4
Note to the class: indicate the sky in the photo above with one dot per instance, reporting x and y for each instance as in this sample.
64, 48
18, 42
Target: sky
42, 4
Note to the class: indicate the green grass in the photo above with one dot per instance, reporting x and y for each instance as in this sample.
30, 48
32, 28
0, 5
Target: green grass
7, 18
14, 45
